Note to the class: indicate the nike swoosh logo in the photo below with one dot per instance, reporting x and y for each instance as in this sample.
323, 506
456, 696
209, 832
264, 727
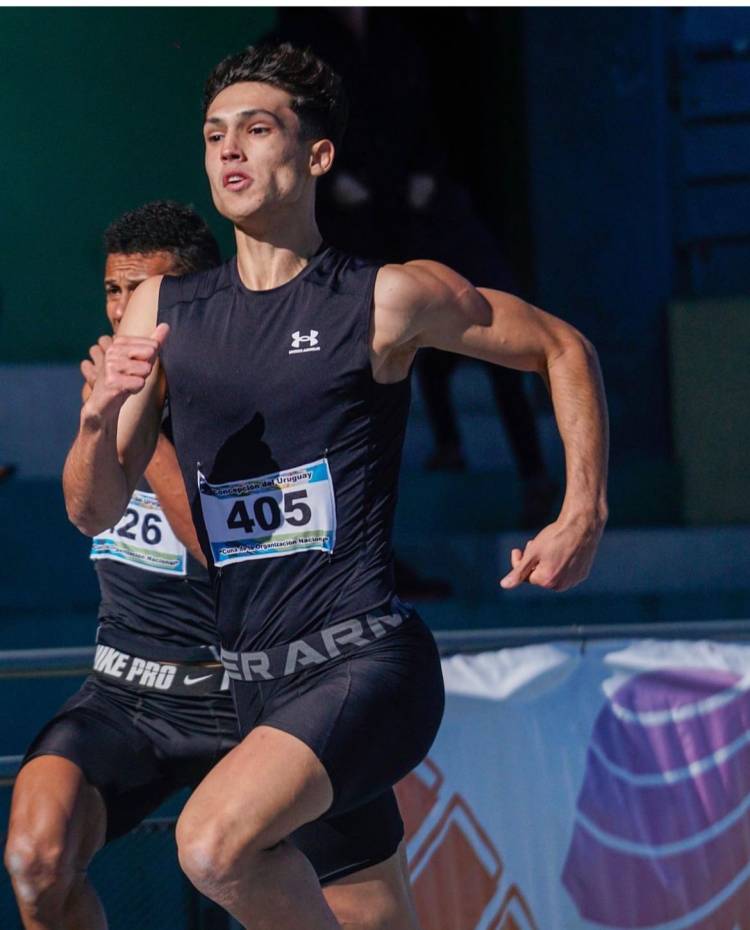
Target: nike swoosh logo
192, 681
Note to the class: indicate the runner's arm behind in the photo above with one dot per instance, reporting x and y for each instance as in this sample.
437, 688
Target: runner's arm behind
164, 476
119, 423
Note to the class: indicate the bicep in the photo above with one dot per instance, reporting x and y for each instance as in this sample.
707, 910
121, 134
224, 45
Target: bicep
491, 325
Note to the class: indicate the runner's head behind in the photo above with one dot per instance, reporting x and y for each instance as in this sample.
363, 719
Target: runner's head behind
273, 116
161, 237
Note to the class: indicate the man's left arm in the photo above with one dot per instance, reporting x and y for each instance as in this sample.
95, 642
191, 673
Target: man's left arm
445, 311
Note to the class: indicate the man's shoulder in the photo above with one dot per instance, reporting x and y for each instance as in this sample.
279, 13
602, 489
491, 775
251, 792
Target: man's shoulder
340, 271
194, 286
408, 284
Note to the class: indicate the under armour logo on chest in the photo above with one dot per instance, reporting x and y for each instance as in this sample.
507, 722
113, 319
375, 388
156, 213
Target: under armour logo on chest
304, 343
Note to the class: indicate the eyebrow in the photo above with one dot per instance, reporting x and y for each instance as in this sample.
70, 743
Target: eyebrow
129, 280
245, 114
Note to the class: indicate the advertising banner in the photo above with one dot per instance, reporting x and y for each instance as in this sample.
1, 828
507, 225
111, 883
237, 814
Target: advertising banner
579, 786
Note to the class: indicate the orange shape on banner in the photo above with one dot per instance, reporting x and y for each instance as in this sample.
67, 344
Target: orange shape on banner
514, 913
417, 794
455, 870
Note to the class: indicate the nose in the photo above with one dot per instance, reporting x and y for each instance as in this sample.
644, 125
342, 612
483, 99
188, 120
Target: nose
230, 149
117, 307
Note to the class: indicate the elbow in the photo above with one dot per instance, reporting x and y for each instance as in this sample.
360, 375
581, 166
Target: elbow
85, 521
572, 345
586, 347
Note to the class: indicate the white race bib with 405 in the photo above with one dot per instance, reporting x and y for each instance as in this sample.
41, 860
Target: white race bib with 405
273, 515
143, 538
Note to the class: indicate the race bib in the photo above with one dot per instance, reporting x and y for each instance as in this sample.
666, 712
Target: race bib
278, 514
143, 539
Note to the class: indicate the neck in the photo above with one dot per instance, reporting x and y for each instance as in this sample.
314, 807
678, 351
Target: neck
270, 254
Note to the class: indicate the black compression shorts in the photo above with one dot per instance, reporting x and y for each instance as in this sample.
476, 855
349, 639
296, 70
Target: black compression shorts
370, 716
140, 747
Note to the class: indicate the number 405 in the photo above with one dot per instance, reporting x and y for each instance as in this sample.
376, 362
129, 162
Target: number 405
267, 512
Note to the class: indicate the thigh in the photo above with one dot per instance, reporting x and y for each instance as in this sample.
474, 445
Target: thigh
258, 794
371, 718
97, 732
55, 810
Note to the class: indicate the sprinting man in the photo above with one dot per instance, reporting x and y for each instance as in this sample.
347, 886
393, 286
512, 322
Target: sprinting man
156, 713
288, 377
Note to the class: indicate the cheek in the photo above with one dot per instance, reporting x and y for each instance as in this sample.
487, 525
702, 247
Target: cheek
288, 178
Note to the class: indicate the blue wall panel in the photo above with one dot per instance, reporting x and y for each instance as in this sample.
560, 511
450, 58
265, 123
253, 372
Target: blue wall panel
601, 202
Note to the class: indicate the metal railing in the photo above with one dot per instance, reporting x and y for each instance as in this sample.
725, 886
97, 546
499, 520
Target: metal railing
77, 660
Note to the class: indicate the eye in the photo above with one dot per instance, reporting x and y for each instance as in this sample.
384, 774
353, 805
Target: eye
111, 290
214, 137
258, 130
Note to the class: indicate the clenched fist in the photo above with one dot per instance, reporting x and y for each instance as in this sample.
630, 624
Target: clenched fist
119, 367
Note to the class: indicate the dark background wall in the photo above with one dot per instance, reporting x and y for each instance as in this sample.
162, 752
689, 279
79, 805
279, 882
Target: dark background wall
606, 148
101, 112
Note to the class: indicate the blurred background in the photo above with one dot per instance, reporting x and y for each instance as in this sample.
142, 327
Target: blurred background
595, 161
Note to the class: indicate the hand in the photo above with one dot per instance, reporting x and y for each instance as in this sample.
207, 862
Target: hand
122, 368
92, 367
558, 558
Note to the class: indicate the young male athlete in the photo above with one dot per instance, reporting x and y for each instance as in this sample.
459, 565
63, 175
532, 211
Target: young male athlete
156, 714
287, 371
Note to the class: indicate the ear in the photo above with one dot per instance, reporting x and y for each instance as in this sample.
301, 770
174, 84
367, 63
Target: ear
322, 154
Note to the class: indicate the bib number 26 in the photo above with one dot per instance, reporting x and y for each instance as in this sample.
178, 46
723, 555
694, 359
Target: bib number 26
150, 528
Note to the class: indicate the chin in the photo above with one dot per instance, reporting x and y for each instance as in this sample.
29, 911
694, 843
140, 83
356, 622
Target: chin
235, 212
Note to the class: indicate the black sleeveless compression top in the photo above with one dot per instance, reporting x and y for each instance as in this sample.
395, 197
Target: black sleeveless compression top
289, 449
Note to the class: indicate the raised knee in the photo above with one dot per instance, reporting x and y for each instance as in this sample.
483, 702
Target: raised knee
39, 872
203, 854
209, 854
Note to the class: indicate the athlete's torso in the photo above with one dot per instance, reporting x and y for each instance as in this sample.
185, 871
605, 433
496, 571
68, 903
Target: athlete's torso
156, 599
278, 385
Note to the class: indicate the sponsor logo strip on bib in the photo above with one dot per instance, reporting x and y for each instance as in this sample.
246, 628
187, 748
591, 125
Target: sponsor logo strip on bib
143, 539
274, 515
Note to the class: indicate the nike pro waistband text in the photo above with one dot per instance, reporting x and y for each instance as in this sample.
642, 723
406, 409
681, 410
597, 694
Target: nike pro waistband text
169, 677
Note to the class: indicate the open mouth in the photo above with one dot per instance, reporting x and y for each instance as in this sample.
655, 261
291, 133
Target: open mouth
236, 181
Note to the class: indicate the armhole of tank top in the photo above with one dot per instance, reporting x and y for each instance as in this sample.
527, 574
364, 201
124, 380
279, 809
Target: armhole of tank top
368, 329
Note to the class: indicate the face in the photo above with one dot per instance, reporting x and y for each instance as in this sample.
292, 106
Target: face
123, 274
256, 159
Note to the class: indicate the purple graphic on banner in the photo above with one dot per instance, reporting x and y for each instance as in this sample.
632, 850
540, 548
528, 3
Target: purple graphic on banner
662, 831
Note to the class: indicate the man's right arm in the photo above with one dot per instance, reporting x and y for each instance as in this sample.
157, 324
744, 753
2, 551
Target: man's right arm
119, 423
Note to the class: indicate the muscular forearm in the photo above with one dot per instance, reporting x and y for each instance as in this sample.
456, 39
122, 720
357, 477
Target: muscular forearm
94, 482
575, 383
164, 476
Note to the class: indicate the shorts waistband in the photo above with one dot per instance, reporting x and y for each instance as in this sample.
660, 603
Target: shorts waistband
134, 672
316, 649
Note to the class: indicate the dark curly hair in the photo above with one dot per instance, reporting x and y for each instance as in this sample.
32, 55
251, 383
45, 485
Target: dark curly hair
318, 96
165, 226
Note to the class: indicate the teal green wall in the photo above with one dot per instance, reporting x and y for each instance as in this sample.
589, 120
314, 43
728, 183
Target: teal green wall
101, 112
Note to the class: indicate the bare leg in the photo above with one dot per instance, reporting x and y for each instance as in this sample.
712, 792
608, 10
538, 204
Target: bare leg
231, 836
378, 898
57, 823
